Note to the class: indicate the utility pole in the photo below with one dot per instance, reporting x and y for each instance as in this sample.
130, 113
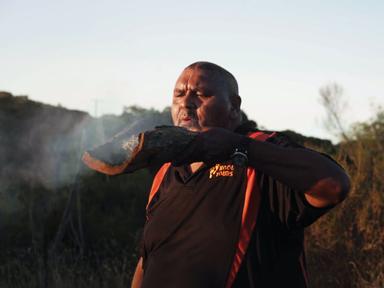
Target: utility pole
96, 104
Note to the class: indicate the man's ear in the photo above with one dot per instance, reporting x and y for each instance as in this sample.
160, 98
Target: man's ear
235, 107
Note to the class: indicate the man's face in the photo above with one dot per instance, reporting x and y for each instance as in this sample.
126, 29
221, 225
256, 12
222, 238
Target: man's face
201, 99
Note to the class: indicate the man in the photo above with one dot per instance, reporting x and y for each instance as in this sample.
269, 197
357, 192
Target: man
206, 206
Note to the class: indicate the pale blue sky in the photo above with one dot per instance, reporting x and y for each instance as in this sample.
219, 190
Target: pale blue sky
131, 52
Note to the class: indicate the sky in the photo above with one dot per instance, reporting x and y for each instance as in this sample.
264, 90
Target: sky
99, 56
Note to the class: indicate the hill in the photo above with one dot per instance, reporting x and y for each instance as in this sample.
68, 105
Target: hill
57, 217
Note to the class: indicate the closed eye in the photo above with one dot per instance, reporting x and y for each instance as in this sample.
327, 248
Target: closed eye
178, 93
203, 95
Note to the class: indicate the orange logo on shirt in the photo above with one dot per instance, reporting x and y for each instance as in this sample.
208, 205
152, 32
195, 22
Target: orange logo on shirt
221, 171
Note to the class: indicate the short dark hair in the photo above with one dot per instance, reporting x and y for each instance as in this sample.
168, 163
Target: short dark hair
231, 81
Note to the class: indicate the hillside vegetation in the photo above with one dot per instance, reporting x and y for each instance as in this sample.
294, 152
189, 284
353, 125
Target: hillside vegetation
62, 225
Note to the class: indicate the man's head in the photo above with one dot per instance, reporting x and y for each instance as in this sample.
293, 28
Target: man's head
206, 95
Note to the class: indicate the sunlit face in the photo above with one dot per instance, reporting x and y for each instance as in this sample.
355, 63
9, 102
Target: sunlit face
201, 99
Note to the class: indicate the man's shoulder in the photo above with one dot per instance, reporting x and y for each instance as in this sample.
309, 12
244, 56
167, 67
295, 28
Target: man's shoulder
278, 138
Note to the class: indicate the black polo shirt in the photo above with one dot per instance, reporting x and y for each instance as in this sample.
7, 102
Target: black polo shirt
193, 225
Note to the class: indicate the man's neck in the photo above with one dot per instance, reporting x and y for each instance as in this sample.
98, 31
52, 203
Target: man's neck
195, 166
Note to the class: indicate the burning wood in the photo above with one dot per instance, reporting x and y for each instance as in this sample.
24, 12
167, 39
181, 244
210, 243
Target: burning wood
126, 153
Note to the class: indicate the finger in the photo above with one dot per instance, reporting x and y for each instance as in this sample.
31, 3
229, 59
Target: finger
206, 129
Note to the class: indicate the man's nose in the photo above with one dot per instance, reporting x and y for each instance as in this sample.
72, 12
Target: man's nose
189, 100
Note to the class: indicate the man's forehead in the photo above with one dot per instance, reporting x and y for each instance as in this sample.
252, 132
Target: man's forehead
199, 77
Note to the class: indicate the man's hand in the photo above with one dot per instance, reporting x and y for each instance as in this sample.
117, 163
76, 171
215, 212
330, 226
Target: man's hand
210, 146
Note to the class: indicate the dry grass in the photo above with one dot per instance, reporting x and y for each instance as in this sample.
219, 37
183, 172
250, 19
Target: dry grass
67, 270
346, 246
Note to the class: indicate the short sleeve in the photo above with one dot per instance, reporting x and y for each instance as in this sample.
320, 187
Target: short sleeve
289, 206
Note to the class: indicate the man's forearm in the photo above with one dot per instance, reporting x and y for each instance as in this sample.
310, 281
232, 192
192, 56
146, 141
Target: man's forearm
323, 181
301, 169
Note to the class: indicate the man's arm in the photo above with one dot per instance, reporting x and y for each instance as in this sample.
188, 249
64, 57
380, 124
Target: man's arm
323, 181
138, 276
